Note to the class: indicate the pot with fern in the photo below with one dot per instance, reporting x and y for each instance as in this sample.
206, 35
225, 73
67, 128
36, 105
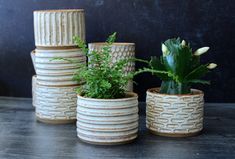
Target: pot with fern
119, 50
175, 109
106, 113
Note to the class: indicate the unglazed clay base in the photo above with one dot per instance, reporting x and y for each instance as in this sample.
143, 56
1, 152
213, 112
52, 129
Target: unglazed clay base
110, 143
56, 121
175, 134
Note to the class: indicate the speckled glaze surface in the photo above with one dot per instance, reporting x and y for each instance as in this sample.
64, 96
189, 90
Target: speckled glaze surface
34, 85
56, 28
51, 72
119, 51
56, 105
107, 121
174, 115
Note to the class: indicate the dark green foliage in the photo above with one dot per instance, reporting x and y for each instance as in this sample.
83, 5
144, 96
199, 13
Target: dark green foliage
178, 67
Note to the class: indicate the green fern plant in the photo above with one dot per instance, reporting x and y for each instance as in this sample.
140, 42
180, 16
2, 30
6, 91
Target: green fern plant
178, 67
103, 79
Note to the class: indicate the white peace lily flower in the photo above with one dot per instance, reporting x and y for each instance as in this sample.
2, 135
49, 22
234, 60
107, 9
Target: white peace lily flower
165, 50
183, 43
201, 51
212, 66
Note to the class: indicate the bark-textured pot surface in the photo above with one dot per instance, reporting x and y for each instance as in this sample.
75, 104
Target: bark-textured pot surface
107, 121
56, 28
34, 87
51, 72
174, 115
119, 51
56, 105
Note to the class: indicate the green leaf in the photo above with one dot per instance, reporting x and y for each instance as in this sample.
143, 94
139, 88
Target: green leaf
199, 81
197, 73
179, 59
156, 64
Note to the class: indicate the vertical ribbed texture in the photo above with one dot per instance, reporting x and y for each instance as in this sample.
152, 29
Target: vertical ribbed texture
57, 28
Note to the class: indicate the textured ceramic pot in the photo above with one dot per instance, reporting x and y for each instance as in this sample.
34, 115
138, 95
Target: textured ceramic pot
119, 51
56, 28
34, 87
107, 121
174, 115
32, 54
51, 72
56, 105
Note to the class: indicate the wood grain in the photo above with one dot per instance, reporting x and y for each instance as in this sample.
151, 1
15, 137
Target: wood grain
21, 137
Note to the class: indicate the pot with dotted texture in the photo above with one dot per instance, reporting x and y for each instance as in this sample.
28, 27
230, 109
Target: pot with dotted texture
119, 51
174, 115
107, 121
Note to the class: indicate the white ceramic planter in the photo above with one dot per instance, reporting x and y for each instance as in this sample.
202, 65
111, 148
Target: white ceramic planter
119, 51
174, 115
51, 72
32, 53
107, 121
56, 105
56, 28
34, 87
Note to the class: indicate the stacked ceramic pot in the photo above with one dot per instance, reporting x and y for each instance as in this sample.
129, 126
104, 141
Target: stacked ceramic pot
119, 51
54, 94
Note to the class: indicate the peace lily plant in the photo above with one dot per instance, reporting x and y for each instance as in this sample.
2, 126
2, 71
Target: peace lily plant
175, 109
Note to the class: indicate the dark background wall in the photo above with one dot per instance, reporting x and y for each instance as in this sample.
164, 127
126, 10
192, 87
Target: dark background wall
145, 22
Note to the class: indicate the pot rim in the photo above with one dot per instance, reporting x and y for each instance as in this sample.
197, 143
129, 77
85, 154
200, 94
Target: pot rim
131, 94
113, 44
59, 51
59, 86
59, 10
157, 89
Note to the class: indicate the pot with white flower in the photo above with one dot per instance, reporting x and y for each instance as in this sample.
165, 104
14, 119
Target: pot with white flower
175, 109
106, 114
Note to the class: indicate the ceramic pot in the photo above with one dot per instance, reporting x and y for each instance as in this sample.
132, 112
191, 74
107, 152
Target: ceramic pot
51, 72
34, 86
174, 115
107, 121
56, 28
119, 51
56, 105
32, 54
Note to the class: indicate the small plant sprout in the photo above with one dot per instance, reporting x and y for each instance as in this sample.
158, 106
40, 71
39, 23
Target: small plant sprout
178, 67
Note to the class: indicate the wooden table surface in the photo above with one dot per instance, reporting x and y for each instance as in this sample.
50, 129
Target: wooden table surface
22, 137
